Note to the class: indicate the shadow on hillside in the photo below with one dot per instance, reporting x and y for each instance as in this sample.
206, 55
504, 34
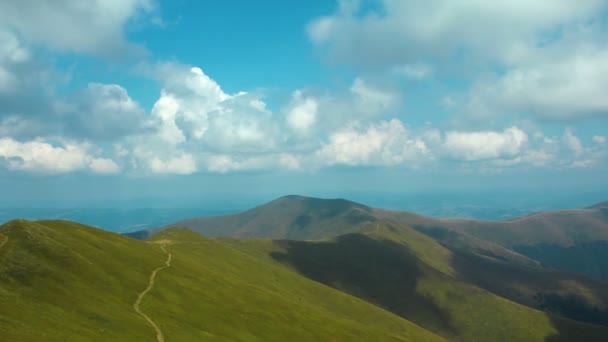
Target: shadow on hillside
380, 272
504, 279
569, 331
587, 258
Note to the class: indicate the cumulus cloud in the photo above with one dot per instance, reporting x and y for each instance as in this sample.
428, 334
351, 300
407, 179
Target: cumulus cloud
181, 165
550, 56
415, 71
95, 27
326, 112
303, 114
572, 142
385, 143
102, 112
599, 139
38, 156
104, 166
26, 83
398, 32
193, 108
561, 87
483, 145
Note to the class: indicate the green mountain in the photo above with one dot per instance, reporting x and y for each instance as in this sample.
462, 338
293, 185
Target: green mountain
499, 269
296, 268
62, 281
289, 217
413, 276
574, 240
568, 240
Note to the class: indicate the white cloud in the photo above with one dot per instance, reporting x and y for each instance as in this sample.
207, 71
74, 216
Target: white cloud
372, 100
566, 86
104, 166
87, 26
101, 112
414, 71
303, 114
550, 56
181, 165
483, 145
385, 143
12, 53
38, 156
599, 139
193, 108
572, 142
399, 32
583, 164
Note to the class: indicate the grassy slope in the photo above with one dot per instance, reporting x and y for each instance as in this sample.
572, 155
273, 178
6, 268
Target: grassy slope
574, 240
418, 282
228, 288
306, 218
64, 281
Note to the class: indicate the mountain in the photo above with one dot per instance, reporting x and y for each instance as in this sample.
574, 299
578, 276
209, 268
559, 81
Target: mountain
62, 281
602, 205
290, 217
573, 240
413, 276
382, 281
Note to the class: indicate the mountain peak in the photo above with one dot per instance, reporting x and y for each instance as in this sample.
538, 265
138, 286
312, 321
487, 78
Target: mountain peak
600, 205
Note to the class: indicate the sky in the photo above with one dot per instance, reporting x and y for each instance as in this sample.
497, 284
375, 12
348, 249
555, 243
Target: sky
124, 100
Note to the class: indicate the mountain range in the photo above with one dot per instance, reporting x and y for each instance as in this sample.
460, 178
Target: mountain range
305, 268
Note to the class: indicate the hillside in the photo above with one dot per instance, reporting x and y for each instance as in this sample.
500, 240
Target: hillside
64, 281
385, 282
573, 240
413, 276
290, 217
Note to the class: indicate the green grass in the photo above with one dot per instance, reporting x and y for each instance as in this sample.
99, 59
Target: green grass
61, 281
413, 276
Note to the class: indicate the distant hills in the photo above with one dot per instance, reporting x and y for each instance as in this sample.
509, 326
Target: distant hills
574, 240
304, 268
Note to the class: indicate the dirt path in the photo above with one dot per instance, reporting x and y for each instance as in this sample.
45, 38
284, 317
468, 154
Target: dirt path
159, 334
5, 240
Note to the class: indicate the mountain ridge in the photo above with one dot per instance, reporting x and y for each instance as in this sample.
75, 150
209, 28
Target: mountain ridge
571, 240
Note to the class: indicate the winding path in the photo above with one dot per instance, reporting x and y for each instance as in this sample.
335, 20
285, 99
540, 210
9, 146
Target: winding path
159, 334
4, 242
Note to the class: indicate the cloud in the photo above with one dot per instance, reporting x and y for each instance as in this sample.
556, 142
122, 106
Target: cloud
93, 27
99, 112
599, 139
559, 87
572, 142
193, 108
399, 32
385, 143
417, 71
484, 145
303, 113
102, 112
546, 58
104, 166
38, 156
326, 112
26, 83
181, 165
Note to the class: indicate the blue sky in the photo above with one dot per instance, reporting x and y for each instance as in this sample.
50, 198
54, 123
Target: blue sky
145, 98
